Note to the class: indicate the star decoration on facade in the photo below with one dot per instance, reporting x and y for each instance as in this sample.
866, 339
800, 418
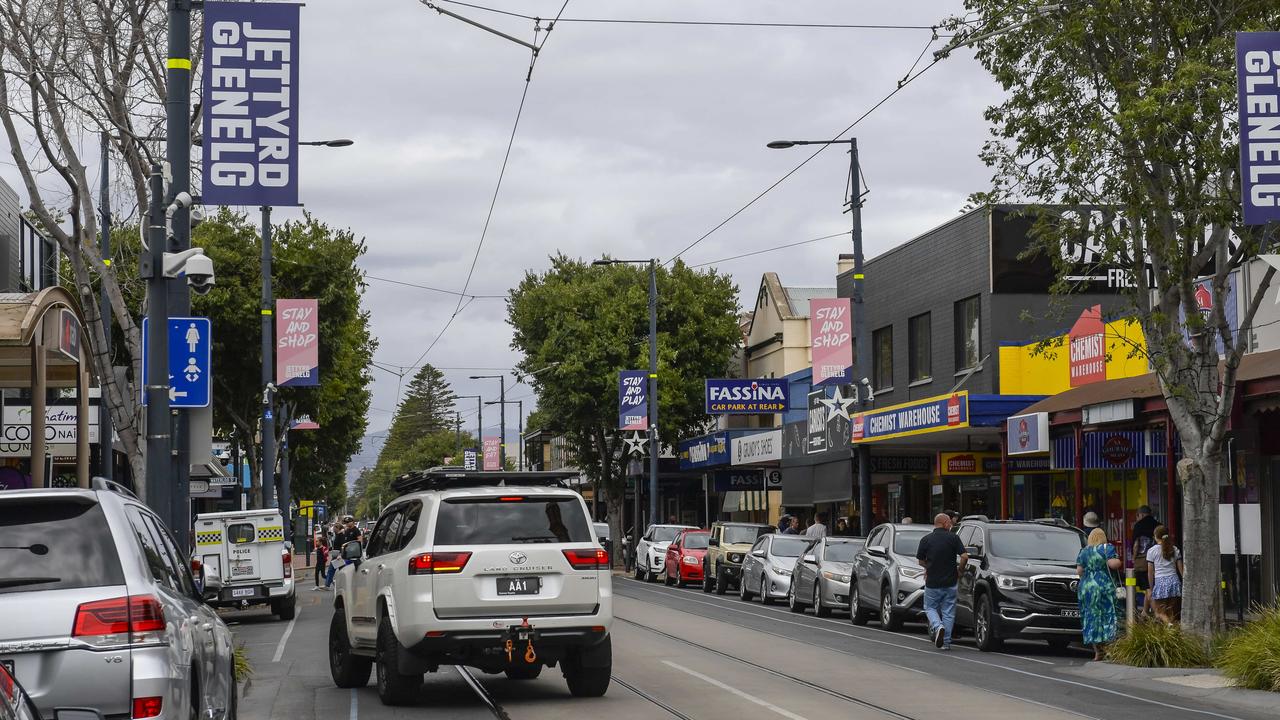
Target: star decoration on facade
635, 443
837, 406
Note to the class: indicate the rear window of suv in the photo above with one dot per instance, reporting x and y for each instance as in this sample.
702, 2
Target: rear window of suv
499, 521
55, 546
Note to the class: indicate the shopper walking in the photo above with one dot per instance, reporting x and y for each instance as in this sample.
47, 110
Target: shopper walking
793, 528
819, 528
1144, 536
938, 553
1097, 591
1166, 589
322, 557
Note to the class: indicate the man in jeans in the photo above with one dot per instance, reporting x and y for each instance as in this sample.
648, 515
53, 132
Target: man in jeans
938, 553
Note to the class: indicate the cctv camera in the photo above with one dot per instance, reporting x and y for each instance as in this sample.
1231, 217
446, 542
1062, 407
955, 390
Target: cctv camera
183, 199
199, 272
197, 215
866, 381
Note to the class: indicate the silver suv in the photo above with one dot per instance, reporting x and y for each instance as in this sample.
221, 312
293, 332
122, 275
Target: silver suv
98, 609
498, 571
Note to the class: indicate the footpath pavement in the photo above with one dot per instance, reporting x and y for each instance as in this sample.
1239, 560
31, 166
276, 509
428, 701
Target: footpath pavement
1198, 683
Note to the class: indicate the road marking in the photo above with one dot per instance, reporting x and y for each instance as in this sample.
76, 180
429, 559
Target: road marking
1051, 678
735, 691
285, 638
354, 706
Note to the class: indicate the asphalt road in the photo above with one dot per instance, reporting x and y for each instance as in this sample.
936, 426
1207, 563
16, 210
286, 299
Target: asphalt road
679, 653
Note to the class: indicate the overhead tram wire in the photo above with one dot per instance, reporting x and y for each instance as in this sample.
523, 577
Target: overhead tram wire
434, 289
771, 249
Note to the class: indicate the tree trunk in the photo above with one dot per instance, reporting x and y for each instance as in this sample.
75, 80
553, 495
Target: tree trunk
1201, 592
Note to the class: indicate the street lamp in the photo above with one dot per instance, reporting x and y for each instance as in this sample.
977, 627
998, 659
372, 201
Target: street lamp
862, 344
268, 361
502, 423
479, 414
519, 414
653, 388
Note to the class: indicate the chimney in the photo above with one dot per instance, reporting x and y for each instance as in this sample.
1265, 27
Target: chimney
844, 264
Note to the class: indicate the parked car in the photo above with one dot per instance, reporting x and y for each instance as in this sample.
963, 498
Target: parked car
728, 545
684, 557
1020, 582
99, 609
499, 571
888, 581
247, 549
651, 552
766, 571
821, 578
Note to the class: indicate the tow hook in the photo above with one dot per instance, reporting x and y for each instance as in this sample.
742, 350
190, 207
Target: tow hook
522, 633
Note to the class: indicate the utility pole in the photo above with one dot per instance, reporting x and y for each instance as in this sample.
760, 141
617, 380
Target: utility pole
520, 418
159, 440
268, 368
653, 392
178, 153
106, 448
502, 422
861, 343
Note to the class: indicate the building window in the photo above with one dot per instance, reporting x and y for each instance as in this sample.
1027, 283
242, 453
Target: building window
919, 348
882, 357
968, 336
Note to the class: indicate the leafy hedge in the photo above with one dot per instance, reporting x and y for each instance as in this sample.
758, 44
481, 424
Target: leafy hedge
1251, 655
1153, 644
243, 669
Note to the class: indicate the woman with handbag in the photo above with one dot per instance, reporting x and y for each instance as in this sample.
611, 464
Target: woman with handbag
1097, 592
1166, 590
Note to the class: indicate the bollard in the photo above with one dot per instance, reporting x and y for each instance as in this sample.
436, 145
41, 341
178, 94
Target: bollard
1130, 597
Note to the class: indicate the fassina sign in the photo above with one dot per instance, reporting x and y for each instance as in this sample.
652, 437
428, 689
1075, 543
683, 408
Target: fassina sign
746, 396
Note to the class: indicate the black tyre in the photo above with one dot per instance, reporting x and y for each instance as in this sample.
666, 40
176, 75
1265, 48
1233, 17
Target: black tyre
985, 635
394, 687
668, 580
524, 672
889, 619
764, 592
708, 582
639, 572
819, 609
587, 672
722, 582
285, 609
793, 603
348, 670
858, 615
743, 592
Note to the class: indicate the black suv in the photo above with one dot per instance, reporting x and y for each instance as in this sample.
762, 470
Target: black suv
1021, 581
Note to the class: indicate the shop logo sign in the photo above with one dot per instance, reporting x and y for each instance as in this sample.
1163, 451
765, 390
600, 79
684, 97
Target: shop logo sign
1117, 450
1087, 345
953, 410
961, 464
1024, 433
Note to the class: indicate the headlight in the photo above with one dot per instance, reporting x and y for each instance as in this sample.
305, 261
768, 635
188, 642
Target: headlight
690, 560
781, 570
1009, 582
910, 572
735, 557
834, 577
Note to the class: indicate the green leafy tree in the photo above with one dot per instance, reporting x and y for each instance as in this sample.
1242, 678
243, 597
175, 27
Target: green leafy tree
1129, 107
427, 408
438, 447
593, 321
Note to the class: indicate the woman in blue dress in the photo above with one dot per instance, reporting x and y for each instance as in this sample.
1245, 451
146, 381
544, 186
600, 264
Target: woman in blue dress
1097, 592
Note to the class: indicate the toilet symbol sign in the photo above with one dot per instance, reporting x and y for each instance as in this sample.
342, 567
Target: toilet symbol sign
189, 361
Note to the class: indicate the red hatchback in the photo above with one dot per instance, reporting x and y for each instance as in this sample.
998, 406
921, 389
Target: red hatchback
684, 557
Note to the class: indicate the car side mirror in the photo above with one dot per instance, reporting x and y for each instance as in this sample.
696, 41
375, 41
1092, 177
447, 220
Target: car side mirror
811, 559
758, 553
352, 550
713, 542
974, 551
877, 550
211, 587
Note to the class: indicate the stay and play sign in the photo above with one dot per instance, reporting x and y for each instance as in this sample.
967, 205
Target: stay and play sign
730, 396
633, 405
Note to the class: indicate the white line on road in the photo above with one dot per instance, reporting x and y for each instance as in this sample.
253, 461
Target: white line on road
285, 638
354, 713
730, 689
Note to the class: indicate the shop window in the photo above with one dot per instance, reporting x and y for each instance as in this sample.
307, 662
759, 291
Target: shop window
968, 336
882, 358
920, 348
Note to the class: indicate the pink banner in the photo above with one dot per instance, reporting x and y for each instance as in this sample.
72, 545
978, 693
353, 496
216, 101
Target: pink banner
297, 343
492, 453
831, 332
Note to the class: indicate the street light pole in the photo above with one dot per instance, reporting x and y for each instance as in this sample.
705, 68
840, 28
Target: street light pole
178, 153
502, 422
159, 441
106, 447
862, 344
479, 414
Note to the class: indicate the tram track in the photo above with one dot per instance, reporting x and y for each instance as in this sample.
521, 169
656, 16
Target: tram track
482, 693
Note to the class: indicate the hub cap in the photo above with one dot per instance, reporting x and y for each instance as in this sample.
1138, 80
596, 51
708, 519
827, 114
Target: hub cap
886, 609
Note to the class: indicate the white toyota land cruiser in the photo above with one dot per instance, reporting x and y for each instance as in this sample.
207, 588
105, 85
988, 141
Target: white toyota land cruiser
500, 571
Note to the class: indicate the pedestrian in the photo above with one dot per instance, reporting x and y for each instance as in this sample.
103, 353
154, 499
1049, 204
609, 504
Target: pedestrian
944, 559
819, 528
784, 522
793, 528
1144, 531
1090, 522
322, 558
1166, 586
842, 527
907, 520
1097, 591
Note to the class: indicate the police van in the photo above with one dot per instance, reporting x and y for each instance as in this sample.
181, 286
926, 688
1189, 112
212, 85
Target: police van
247, 550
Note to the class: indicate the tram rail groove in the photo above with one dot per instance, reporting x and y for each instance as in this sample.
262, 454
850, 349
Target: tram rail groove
646, 696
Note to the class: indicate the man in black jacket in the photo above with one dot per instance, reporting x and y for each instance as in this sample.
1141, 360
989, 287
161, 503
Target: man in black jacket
938, 553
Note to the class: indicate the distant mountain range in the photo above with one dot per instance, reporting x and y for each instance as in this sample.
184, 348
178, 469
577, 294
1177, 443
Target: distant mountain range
370, 446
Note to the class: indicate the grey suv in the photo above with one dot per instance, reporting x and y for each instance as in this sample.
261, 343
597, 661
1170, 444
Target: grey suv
888, 581
99, 609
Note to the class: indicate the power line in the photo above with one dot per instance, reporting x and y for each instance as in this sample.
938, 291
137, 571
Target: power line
433, 289
704, 23
771, 249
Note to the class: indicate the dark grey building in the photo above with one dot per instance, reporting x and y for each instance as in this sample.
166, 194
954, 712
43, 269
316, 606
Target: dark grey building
28, 260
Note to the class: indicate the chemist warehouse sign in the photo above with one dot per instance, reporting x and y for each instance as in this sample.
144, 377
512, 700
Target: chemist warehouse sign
250, 103
944, 412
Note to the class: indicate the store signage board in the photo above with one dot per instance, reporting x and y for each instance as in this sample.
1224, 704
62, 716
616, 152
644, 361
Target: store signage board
757, 448
754, 396
1028, 434
943, 412
1257, 57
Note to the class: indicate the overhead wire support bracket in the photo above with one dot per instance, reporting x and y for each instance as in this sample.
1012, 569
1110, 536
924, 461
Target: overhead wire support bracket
486, 28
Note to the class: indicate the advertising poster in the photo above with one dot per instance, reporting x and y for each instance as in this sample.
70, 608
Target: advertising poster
297, 343
831, 339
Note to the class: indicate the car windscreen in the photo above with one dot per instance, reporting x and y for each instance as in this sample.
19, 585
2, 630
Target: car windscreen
502, 521
665, 534
842, 552
735, 534
906, 542
1059, 546
788, 546
55, 546
695, 541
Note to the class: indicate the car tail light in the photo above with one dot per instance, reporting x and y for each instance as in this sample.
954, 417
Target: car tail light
147, 707
512, 498
120, 621
287, 557
439, 563
589, 559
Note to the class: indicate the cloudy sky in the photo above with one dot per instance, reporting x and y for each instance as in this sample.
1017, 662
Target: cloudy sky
635, 140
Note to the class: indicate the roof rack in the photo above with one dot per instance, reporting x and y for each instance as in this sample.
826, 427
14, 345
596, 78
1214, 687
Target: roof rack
1059, 522
449, 477
101, 483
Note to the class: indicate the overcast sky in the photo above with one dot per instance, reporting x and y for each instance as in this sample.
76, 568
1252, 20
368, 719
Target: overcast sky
634, 141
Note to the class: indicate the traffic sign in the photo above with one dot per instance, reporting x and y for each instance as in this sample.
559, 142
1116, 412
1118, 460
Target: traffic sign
190, 368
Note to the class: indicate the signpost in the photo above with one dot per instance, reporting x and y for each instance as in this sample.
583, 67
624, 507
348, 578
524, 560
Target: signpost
1257, 62
190, 366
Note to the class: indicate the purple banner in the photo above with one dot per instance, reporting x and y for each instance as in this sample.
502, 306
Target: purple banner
1258, 85
633, 405
297, 343
250, 104
831, 335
